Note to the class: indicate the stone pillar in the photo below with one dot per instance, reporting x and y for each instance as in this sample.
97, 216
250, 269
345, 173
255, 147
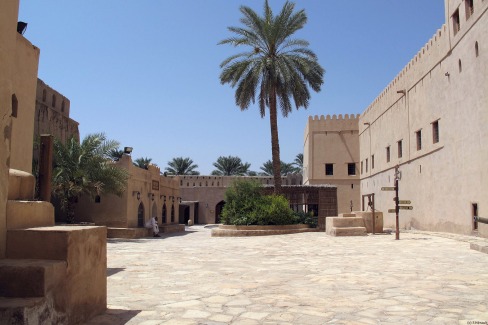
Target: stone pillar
45, 167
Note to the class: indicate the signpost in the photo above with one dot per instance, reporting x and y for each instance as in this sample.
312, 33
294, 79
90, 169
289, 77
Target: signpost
387, 188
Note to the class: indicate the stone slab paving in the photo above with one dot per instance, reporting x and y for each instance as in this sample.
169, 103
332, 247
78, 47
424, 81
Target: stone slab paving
306, 278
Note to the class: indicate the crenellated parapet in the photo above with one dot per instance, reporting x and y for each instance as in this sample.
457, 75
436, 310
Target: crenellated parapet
346, 122
426, 59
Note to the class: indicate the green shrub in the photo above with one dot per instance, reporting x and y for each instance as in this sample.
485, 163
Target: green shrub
245, 205
306, 218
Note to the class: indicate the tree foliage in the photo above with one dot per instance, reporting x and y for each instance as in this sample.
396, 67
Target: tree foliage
142, 162
230, 166
181, 166
286, 168
274, 67
85, 169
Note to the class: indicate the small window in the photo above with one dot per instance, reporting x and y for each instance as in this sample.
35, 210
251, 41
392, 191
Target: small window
62, 106
372, 162
456, 24
351, 169
44, 95
54, 100
362, 167
388, 154
460, 66
435, 132
329, 169
400, 149
418, 136
15, 106
476, 49
469, 8
366, 163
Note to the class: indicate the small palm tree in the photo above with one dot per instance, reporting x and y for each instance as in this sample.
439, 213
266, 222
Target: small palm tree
181, 166
286, 168
230, 166
115, 154
298, 163
142, 162
85, 169
276, 68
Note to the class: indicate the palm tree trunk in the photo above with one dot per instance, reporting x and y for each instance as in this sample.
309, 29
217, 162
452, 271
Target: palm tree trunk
275, 144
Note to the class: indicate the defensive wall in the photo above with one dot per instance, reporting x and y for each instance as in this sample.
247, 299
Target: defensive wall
431, 122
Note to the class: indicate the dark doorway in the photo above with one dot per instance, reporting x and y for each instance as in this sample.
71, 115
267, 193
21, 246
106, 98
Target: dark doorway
172, 213
475, 214
140, 215
218, 211
184, 214
164, 214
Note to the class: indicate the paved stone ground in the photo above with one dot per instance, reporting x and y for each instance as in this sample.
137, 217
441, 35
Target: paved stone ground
307, 278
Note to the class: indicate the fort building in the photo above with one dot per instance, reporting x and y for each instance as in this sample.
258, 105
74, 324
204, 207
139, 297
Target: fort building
148, 194
331, 156
48, 274
431, 121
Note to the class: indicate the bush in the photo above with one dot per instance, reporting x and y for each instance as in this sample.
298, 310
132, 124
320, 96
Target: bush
306, 218
245, 205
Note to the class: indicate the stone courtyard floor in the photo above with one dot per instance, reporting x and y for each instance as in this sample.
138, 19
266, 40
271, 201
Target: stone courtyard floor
307, 278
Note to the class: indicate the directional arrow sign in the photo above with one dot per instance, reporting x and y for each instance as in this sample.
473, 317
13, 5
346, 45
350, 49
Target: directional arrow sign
405, 207
387, 188
391, 210
404, 202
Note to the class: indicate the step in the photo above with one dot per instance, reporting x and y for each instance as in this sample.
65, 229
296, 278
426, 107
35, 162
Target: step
21, 185
347, 215
128, 233
29, 214
29, 311
349, 231
347, 222
30, 278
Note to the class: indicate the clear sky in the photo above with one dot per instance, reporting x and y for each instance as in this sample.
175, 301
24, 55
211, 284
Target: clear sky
146, 72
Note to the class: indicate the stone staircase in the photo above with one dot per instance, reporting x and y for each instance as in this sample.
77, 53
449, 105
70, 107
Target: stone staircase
346, 224
51, 275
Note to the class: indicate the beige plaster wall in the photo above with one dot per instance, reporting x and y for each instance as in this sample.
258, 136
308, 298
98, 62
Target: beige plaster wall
441, 179
53, 119
333, 140
25, 82
8, 25
114, 211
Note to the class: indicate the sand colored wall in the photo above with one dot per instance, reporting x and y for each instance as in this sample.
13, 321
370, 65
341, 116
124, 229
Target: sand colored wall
52, 114
8, 24
444, 83
25, 83
333, 140
155, 191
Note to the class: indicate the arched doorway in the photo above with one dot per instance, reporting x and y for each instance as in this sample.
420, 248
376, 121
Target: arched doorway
140, 215
164, 214
218, 211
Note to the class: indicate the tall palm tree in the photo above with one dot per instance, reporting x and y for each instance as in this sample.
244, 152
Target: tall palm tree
142, 162
285, 168
230, 166
276, 66
181, 166
298, 163
85, 169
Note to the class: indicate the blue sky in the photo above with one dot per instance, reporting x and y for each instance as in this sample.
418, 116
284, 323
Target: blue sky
147, 72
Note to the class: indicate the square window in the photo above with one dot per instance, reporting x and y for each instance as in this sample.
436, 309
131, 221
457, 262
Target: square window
388, 154
400, 149
351, 169
435, 132
418, 136
329, 169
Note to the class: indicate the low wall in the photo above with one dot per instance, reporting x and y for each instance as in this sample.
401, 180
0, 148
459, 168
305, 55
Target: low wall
243, 231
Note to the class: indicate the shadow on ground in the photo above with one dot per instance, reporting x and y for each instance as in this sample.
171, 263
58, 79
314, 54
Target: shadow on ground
114, 317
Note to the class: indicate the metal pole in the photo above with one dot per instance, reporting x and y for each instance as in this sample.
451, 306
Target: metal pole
397, 208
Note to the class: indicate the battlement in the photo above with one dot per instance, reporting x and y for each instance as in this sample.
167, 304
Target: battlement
430, 55
334, 117
347, 122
